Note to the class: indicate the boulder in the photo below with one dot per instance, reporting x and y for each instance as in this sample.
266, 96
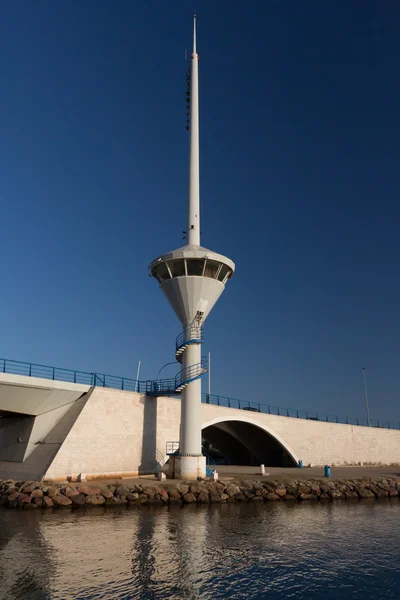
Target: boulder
61, 501
37, 501
132, 497
182, 488
350, 495
162, 493
122, 491
306, 497
69, 492
37, 494
280, 491
272, 497
28, 487
378, 492
79, 500
174, 494
232, 490
215, 498
203, 498
240, 497
47, 502
51, 491
95, 500
89, 490
116, 500
336, 495
106, 492
189, 498
364, 493
289, 498
23, 499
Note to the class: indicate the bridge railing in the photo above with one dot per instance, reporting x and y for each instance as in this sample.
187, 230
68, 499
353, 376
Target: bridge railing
295, 413
17, 367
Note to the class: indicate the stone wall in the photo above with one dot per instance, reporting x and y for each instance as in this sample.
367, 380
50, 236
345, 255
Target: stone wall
31, 495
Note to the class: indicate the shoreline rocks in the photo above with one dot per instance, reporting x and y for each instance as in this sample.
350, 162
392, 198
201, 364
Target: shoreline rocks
36, 494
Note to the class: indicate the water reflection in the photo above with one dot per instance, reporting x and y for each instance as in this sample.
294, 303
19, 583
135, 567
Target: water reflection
229, 551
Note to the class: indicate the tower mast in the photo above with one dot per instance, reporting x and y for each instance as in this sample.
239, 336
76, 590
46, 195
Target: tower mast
193, 227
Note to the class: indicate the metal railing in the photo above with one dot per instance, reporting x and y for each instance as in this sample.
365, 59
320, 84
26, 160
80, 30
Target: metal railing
295, 413
191, 335
125, 383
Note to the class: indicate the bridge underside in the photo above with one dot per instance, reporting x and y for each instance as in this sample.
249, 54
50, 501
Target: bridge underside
240, 443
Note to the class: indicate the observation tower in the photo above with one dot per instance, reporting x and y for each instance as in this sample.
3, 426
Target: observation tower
192, 278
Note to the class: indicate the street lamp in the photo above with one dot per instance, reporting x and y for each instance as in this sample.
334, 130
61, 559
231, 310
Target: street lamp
366, 397
166, 365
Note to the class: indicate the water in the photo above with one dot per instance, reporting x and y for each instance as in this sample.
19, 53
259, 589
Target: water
237, 551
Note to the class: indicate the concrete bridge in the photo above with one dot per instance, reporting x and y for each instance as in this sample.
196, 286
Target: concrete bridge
55, 430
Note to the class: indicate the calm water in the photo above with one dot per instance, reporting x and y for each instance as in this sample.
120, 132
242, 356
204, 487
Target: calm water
230, 551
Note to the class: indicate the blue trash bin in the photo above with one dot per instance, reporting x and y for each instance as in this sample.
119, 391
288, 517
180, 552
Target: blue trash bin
327, 471
300, 464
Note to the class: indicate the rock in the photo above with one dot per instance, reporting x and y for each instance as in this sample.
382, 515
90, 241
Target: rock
232, 490
280, 491
215, 498
112, 488
51, 491
69, 492
150, 492
303, 489
106, 493
12, 496
182, 488
116, 500
336, 495
132, 497
27, 488
364, 493
289, 498
203, 498
89, 490
29, 506
163, 494
379, 492
37, 500
37, 494
240, 497
122, 491
224, 497
257, 498
79, 500
47, 502
95, 500
175, 501
272, 497
393, 492
189, 498
23, 499
306, 497
61, 501
174, 494
350, 495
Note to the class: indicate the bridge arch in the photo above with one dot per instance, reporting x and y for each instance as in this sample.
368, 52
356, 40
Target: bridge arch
243, 440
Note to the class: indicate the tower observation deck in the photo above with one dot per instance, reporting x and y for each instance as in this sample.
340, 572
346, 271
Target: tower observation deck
192, 279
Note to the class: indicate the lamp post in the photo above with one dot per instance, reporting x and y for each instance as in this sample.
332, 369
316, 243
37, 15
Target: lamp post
166, 365
366, 397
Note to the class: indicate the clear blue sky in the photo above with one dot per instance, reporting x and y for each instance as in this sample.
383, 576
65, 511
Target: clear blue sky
300, 183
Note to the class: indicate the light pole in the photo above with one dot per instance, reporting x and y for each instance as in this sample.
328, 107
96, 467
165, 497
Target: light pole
166, 365
366, 397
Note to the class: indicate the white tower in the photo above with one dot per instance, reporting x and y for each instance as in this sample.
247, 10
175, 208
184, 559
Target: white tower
192, 278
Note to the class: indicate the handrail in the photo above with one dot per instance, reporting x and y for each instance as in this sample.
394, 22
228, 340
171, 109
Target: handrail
17, 367
189, 335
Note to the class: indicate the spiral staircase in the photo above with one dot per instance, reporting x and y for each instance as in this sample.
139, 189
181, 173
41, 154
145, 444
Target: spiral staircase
175, 385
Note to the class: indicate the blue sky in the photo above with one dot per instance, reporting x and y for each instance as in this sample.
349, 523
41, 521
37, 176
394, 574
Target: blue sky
299, 186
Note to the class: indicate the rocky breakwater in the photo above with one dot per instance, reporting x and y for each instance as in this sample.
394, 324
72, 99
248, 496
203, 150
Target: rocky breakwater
35, 494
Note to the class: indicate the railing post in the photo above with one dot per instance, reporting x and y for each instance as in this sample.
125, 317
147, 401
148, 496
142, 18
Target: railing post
4, 365
306, 415
218, 400
54, 373
229, 402
30, 369
327, 418
239, 404
347, 421
287, 412
297, 413
259, 408
357, 420
278, 411
122, 384
337, 419
74, 376
378, 423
